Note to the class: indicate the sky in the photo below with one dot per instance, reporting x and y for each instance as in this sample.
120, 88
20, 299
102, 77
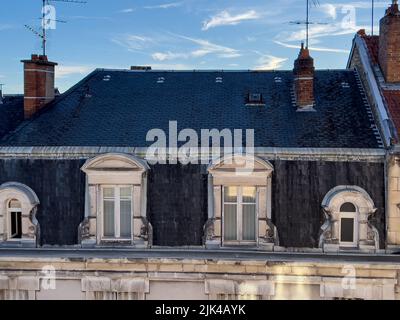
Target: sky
179, 34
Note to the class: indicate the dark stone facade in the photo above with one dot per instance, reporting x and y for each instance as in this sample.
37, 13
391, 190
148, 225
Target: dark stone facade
177, 198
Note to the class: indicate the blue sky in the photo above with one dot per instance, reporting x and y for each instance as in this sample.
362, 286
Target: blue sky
179, 34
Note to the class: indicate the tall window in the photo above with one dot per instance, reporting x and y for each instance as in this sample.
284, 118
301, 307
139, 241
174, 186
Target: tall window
117, 212
15, 218
240, 214
348, 224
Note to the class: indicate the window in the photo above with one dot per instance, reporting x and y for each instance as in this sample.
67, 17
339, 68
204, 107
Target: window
348, 210
18, 208
255, 99
117, 212
15, 216
116, 202
348, 214
240, 213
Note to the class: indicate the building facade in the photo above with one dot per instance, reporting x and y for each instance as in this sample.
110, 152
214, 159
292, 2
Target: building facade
203, 184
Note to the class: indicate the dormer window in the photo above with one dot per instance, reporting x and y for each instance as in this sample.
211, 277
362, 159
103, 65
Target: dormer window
241, 198
115, 193
348, 210
255, 99
18, 223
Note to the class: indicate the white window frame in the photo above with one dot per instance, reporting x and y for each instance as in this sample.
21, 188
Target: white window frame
9, 218
354, 216
117, 212
239, 217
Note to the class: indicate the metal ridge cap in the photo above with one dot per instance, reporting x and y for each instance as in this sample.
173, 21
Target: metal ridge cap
77, 150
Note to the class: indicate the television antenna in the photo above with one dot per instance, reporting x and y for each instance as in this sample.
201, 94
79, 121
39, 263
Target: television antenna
307, 23
42, 34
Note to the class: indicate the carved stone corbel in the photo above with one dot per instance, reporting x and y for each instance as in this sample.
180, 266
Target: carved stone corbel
146, 232
326, 229
84, 230
208, 231
372, 233
272, 233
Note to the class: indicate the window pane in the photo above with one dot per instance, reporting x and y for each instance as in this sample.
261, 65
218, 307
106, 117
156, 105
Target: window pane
230, 194
249, 222
347, 230
230, 222
249, 194
14, 204
126, 193
16, 225
125, 220
109, 218
108, 192
348, 207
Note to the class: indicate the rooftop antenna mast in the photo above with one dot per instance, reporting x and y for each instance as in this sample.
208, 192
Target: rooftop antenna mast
308, 22
373, 17
45, 21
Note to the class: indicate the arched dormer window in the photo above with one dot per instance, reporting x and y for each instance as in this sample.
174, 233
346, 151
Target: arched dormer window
18, 205
240, 202
115, 201
347, 210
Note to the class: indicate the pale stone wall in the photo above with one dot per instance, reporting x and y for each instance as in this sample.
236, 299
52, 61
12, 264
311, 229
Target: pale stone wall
158, 279
393, 210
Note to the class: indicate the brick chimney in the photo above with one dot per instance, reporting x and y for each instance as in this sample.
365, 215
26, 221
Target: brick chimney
304, 79
389, 44
38, 84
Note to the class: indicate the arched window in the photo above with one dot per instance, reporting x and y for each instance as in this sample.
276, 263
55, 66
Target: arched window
15, 219
348, 225
18, 205
347, 210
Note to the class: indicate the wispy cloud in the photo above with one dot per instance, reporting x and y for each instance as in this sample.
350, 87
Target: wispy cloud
204, 48
224, 18
322, 49
165, 5
269, 62
133, 42
164, 56
64, 71
127, 10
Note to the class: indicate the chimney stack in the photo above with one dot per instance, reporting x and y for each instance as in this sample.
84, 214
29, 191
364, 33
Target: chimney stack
304, 80
38, 84
389, 44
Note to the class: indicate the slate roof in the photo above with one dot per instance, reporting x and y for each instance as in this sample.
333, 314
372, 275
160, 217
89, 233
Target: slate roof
119, 107
11, 113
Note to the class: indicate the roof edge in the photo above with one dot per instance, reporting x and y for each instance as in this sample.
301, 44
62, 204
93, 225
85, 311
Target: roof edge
333, 154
